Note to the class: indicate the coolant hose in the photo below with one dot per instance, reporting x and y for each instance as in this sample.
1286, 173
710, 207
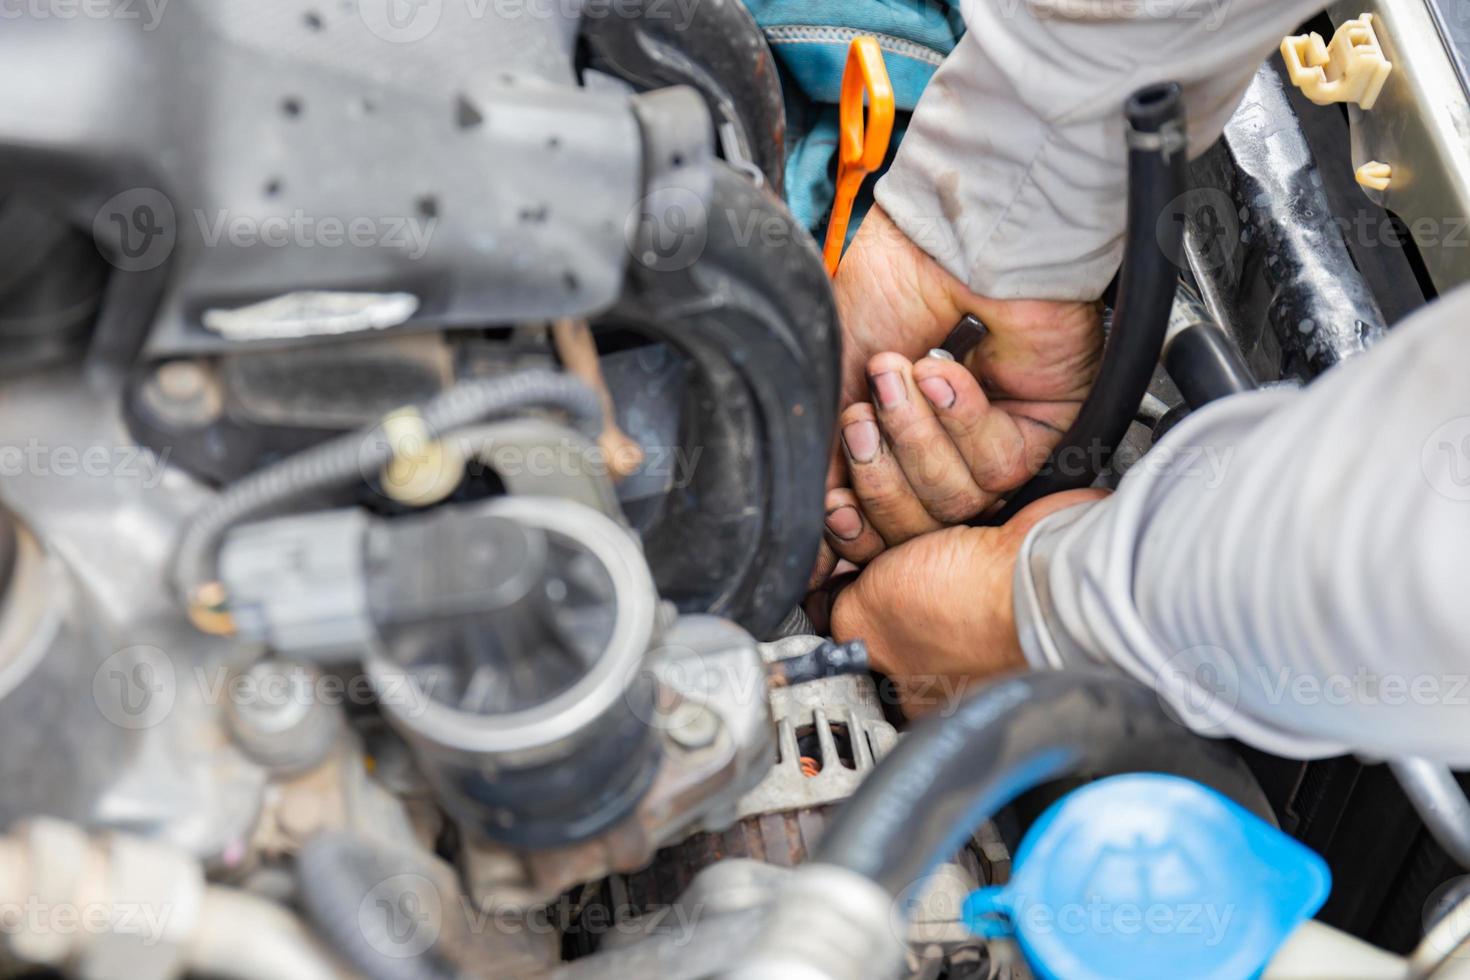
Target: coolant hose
357, 455
381, 910
1201, 358
1157, 148
952, 773
845, 914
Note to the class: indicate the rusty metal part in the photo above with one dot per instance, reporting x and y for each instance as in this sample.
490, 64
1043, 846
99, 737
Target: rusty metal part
578, 352
697, 902
338, 794
503, 876
184, 393
717, 744
836, 724
838, 721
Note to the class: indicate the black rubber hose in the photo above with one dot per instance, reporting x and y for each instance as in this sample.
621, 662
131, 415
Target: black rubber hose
374, 907
1204, 363
1146, 283
825, 660
951, 773
796, 623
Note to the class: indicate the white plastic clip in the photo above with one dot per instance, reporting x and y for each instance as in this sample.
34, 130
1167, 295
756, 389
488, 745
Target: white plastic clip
423, 470
1375, 176
1350, 69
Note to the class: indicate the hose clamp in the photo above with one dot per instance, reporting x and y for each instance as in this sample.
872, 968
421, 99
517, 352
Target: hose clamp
1169, 140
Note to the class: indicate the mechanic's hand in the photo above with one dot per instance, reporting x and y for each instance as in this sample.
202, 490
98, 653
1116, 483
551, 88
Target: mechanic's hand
937, 612
926, 444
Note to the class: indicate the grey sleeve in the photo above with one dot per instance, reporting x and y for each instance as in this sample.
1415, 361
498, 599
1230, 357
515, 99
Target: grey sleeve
1013, 171
1291, 568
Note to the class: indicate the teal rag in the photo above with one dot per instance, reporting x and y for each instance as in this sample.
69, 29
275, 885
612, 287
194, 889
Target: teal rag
810, 39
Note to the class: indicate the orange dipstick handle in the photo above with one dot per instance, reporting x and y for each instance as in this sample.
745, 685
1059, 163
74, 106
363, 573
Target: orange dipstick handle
861, 145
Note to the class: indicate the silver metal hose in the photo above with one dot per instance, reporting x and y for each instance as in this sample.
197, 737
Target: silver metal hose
1441, 804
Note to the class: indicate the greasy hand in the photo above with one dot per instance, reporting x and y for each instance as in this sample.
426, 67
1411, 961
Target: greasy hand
937, 612
932, 443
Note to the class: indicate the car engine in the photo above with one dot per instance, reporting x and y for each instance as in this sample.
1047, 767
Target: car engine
411, 465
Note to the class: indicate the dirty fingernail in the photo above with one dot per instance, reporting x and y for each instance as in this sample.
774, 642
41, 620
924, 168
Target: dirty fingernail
889, 389
861, 439
938, 391
846, 523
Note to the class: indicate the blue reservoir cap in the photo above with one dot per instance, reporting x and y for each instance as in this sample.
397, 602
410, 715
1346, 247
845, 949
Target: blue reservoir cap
1150, 876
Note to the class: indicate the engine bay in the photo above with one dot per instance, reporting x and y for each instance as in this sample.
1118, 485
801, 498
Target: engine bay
412, 452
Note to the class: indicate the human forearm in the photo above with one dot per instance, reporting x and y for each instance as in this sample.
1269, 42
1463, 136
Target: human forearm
1289, 567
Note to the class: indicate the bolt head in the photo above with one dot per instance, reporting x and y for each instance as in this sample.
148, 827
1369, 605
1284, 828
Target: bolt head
691, 726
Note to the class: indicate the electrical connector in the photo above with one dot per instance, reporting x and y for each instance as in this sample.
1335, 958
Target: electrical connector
1352, 68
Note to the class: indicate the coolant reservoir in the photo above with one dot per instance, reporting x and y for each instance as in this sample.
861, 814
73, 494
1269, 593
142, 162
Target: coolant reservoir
1151, 876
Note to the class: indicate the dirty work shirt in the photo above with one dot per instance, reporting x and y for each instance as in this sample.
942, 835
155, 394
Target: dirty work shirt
1014, 168
1290, 568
